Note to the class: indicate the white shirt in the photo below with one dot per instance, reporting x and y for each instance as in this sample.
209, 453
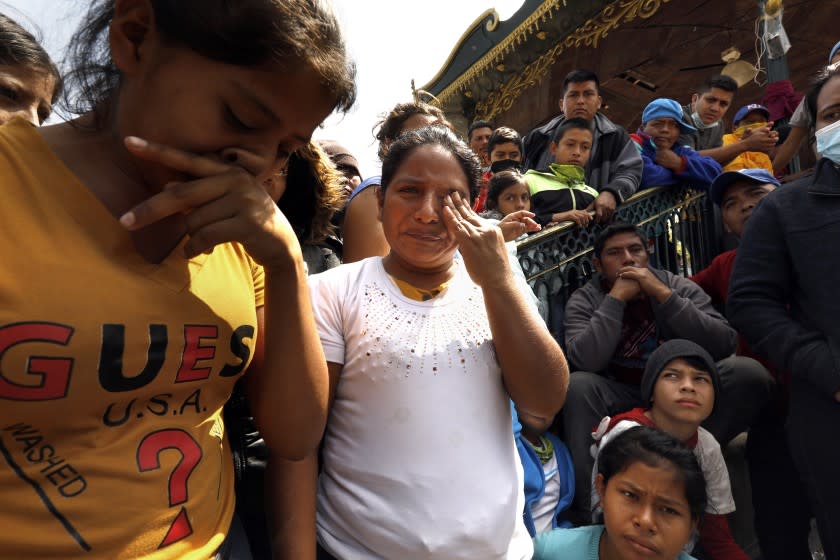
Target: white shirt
544, 510
419, 403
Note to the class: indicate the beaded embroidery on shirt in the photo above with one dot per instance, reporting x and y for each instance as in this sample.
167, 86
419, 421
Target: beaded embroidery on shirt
424, 341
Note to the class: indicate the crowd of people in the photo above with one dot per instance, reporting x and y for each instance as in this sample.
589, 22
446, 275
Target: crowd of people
218, 340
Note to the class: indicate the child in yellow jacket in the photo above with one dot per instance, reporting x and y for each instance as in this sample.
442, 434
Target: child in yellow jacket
747, 118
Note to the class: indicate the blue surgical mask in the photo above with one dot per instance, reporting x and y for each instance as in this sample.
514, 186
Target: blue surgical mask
828, 142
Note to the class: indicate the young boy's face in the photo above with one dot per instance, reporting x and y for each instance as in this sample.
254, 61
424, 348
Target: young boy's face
573, 147
753, 117
683, 393
663, 131
505, 151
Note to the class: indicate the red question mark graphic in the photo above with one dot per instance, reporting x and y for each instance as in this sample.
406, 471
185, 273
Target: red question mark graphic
148, 458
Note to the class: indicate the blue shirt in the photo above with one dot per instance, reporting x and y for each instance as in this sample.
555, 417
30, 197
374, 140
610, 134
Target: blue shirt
581, 544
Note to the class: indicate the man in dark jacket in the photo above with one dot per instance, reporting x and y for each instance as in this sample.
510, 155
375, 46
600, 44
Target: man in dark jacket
614, 168
782, 512
613, 324
783, 299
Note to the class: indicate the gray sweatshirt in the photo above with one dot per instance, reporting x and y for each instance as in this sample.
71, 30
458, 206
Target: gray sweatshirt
593, 322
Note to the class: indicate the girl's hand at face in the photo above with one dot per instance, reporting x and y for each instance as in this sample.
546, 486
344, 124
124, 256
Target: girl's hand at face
516, 223
481, 244
224, 203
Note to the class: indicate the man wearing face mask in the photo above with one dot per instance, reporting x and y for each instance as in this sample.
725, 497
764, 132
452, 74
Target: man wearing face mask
504, 151
783, 300
705, 112
614, 168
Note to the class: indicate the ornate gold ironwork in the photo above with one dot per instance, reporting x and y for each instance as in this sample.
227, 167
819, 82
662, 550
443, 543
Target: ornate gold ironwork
676, 220
589, 35
507, 45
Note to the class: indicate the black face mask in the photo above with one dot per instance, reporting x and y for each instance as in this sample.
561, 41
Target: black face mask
504, 165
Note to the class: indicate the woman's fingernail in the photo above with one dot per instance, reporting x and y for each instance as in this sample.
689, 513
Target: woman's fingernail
128, 219
135, 142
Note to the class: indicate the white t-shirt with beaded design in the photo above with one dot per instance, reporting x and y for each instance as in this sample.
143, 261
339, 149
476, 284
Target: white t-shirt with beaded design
419, 455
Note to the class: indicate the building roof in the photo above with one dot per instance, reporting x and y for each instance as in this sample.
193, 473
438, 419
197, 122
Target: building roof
512, 71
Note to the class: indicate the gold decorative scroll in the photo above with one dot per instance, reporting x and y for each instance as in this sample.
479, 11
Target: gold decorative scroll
494, 57
588, 34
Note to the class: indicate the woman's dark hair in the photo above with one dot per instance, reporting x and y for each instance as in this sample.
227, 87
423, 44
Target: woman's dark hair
497, 185
314, 192
244, 33
829, 72
434, 135
653, 448
569, 124
18, 47
391, 124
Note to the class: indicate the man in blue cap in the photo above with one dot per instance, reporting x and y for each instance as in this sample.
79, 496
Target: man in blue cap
736, 193
666, 162
782, 512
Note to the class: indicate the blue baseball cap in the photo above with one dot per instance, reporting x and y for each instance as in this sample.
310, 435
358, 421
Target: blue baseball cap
747, 109
758, 176
666, 108
833, 52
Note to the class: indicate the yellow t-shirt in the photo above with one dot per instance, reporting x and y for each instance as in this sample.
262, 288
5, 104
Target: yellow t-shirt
113, 374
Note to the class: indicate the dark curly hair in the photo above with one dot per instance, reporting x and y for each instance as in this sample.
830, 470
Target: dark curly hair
314, 193
391, 124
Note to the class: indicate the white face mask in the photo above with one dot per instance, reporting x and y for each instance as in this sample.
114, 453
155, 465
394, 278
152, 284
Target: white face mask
698, 122
828, 141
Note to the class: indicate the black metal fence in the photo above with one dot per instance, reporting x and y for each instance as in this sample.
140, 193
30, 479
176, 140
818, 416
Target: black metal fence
678, 222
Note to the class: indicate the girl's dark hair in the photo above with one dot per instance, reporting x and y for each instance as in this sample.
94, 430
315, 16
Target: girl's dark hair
18, 47
653, 448
314, 192
390, 125
828, 73
434, 135
497, 185
243, 33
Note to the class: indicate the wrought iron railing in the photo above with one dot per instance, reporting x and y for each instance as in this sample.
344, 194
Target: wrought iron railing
681, 234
